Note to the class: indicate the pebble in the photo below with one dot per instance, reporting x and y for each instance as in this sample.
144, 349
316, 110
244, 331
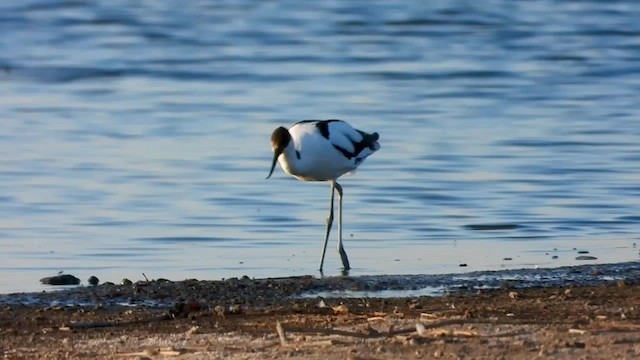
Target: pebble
193, 330
586, 257
340, 310
64, 279
579, 344
567, 292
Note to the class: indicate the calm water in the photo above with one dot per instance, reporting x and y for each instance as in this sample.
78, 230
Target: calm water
135, 135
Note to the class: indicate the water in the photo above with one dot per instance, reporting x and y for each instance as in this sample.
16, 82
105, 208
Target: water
135, 136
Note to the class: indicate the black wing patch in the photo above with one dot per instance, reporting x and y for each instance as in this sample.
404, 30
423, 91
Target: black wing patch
368, 141
322, 125
344, 152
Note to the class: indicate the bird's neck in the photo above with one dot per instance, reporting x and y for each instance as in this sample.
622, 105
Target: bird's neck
290, 159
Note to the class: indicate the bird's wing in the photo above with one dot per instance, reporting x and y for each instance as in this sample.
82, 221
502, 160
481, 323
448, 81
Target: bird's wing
343, 135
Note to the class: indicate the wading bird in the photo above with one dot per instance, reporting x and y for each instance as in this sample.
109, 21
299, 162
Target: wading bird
323, 150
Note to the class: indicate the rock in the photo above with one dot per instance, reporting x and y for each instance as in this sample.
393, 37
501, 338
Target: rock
220, 311
340, 310
64, 279
194, 330
235, 309
93, 280
586, 257
126, 281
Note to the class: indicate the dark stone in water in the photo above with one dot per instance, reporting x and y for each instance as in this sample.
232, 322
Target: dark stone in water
64, 279
507, 259
463, 265
586, 257
583, 252
491, 227
93, 280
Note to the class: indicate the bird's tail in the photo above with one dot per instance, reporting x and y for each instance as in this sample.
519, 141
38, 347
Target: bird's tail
370, 140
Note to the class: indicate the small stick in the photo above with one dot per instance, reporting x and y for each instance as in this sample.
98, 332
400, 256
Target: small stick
145, 277
281, 334
414, 328
102, 324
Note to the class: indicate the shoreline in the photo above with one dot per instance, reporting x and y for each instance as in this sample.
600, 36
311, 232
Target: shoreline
264, 291
598, 322
266, 318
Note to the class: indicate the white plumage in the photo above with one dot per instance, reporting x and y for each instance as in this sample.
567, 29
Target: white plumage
322, 150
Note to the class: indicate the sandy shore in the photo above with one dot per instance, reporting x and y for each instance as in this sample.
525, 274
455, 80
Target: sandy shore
260, 319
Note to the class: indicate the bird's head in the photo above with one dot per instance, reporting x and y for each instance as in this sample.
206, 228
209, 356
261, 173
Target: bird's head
280, 139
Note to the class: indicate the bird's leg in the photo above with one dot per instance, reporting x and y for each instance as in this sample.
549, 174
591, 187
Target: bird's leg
329, 223
343, 254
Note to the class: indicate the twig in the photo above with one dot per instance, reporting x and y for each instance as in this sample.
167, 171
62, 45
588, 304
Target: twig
102, 324
324, 331
414, 328
281, 334
165, 351
448, 322
145, 277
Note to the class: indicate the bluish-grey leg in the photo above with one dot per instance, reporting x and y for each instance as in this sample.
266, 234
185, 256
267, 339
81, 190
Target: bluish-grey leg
343, 254
329, 223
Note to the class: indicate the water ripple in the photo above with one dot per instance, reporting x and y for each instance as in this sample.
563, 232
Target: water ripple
136, 135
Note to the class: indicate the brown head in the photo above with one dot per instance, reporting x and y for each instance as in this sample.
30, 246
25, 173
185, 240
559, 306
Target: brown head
280, 138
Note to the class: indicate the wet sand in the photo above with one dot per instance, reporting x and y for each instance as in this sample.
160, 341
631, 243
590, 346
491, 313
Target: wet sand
266, 318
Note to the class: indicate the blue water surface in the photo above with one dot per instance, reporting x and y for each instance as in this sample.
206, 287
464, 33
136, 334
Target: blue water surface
135, 135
